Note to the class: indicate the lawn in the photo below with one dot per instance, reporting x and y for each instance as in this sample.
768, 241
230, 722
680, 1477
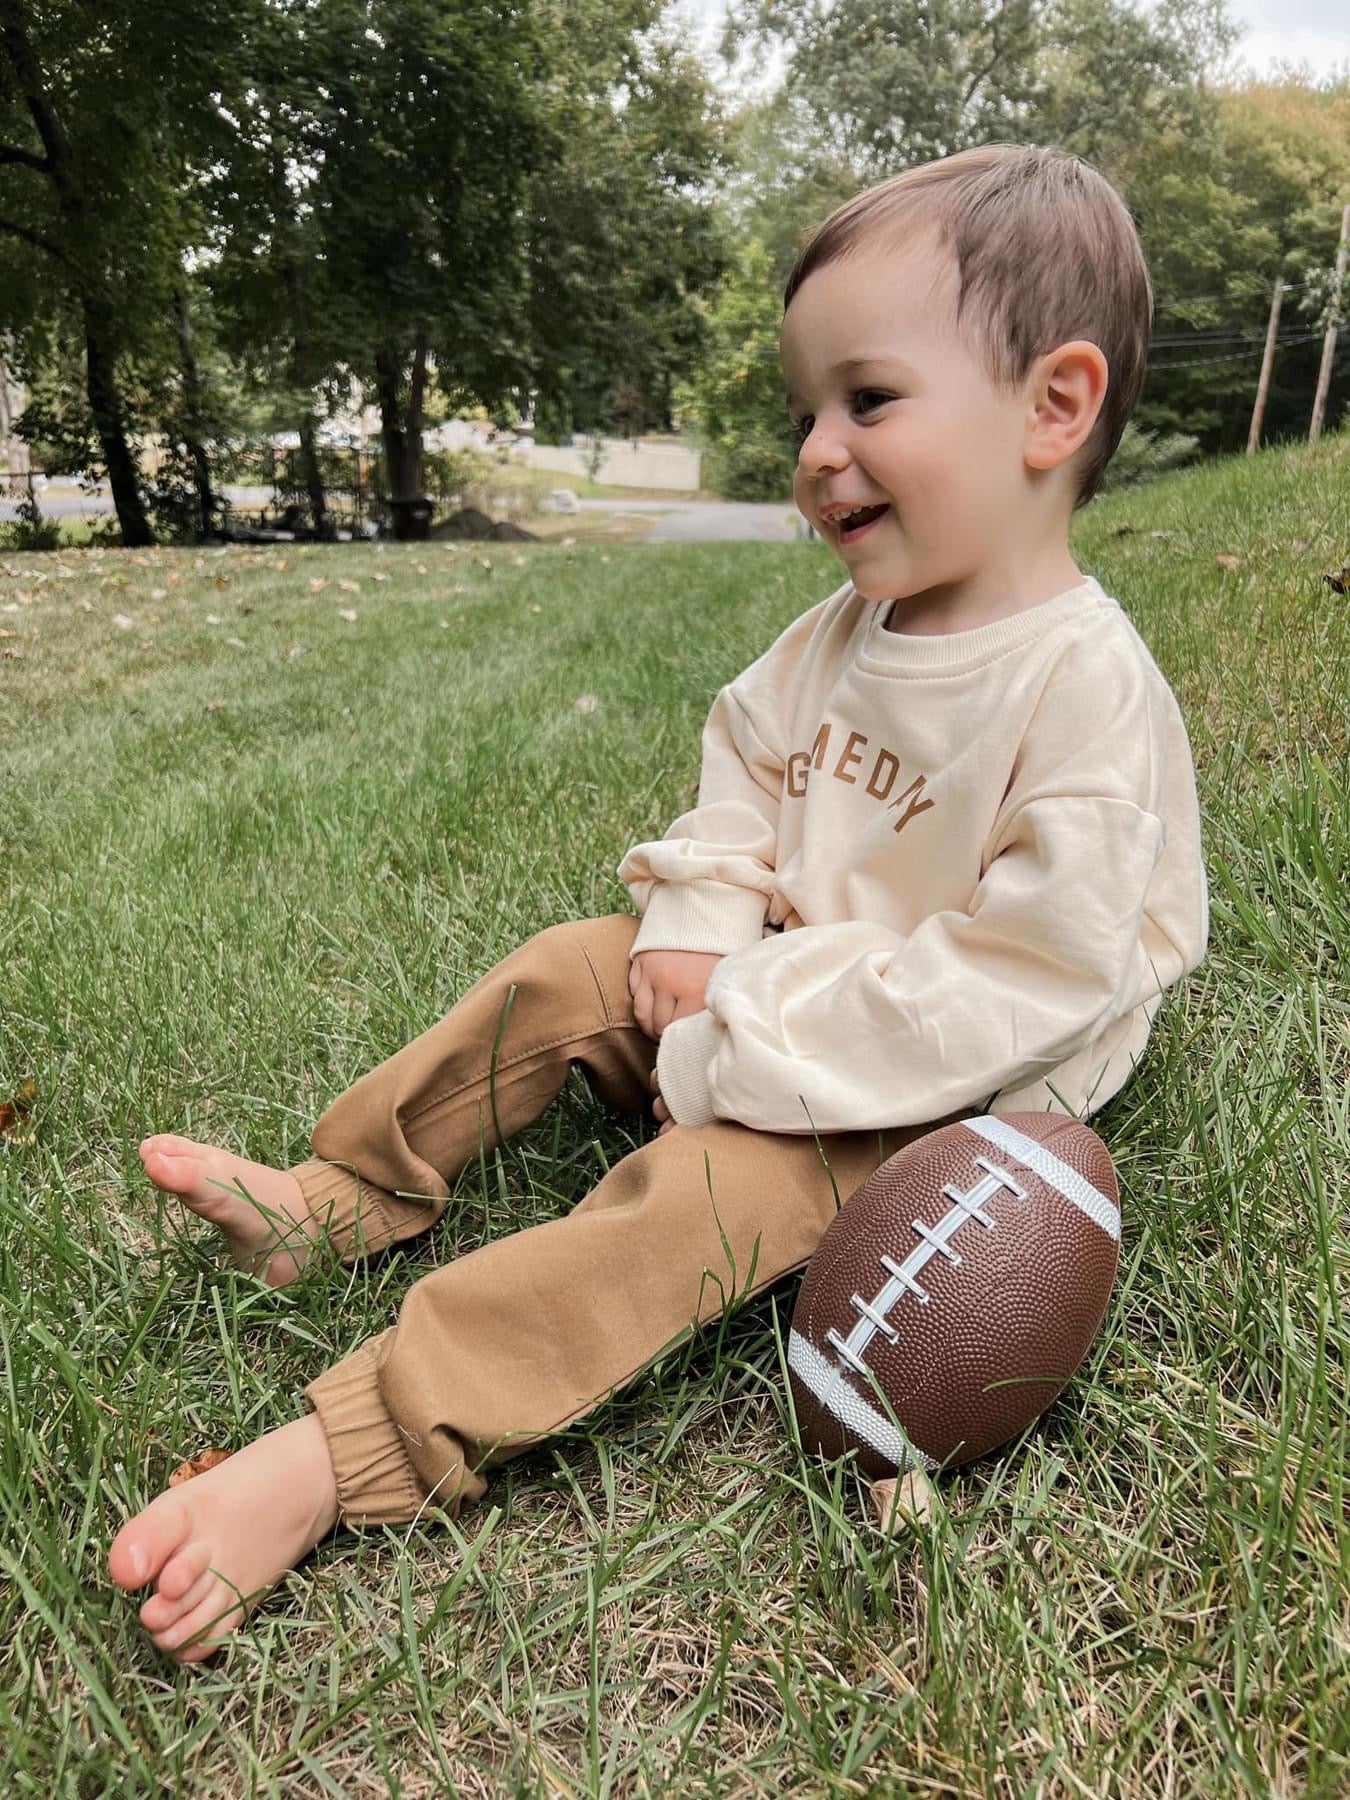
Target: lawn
266, 815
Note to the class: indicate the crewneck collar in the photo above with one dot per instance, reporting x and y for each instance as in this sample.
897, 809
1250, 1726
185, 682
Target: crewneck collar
898, 653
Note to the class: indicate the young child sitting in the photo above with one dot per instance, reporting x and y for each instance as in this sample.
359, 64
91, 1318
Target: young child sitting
945, 860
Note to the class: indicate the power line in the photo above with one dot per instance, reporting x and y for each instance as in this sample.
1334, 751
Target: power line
1195, 362
1290, 287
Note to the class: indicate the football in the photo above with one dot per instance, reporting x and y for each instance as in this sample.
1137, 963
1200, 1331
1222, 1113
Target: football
955, 1292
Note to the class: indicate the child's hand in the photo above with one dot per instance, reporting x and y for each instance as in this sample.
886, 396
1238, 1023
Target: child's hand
660, 1108
667, 985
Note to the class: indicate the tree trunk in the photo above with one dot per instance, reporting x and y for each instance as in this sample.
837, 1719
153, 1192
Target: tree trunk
301, 359
100, 338
106, 405
193, 433
312, 474
401, 422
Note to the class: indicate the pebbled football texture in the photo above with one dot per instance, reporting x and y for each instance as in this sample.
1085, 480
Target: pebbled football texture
955, 1292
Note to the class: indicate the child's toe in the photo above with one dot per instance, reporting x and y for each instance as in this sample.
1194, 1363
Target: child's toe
161, 1611
184, 1570
212, 1618
145, 1543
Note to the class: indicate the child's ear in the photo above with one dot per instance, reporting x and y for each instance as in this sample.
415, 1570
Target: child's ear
1067, 389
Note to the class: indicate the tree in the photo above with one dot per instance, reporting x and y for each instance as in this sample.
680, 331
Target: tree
625, 238
88, 103
737, 392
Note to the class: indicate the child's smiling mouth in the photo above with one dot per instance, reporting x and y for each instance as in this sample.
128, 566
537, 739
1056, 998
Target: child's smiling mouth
852, 526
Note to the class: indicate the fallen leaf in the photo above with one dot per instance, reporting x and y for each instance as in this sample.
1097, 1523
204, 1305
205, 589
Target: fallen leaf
213, 705
586, 703
24, 596
5, 632
10, 654
122, 622
1228, 559
349, 587
1162, 534
159, 593
14, 1112
445, 624
281, 566
908, 1501
567, 541
519, 561
236, 643
538, 609
347, 613
222, 581
379, 575
298, 650
317, 584
213, 618
175, 581
1339, 583
421, 568
1300, 543
198, 1465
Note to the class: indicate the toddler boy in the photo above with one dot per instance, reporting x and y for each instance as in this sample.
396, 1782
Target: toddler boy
946, 859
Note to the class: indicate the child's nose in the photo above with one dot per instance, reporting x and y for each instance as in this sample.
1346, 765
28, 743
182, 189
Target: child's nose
822, 451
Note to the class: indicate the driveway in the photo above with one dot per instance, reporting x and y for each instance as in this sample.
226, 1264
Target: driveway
707, 521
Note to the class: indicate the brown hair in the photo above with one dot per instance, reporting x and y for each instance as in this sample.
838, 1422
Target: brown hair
1047, 252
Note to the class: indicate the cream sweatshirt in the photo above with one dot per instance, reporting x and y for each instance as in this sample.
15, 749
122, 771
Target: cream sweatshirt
942, 871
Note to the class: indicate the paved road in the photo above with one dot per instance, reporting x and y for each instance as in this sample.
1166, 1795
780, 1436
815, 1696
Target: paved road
707, 521
673, 521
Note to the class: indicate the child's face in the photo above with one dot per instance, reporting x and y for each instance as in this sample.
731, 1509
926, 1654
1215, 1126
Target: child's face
916, 426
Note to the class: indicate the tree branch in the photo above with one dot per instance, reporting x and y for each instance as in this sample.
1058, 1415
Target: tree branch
36, 240
29, 159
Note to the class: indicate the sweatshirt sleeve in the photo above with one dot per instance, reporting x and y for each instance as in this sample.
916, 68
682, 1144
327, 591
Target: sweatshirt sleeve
706, 885
854, 1025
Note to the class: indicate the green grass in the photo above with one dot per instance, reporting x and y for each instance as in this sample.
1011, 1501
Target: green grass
233, 877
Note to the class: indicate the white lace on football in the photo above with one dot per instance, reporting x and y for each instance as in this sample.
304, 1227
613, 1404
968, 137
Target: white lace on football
900, 1277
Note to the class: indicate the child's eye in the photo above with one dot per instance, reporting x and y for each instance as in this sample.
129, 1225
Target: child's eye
866, 400
875, 395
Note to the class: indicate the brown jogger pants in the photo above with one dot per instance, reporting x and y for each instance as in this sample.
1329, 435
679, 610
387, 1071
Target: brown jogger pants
527, 1333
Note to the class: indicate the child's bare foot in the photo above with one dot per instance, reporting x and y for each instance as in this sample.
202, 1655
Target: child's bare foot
269, 1214
227, 1536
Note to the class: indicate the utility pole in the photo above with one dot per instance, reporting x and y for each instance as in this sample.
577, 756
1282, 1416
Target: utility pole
1267, 364
1329, 341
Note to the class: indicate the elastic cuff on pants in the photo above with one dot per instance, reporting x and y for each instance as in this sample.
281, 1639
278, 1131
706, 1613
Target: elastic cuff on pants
357, 1217
376, 1482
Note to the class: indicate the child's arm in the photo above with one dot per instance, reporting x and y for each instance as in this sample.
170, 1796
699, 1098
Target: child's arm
706, 885
854, 1025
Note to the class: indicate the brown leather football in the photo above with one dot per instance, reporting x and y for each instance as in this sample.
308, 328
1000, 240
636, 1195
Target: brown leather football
955, 1292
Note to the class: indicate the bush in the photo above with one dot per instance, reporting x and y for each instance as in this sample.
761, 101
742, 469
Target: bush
1141, 455
30, 531
746, 467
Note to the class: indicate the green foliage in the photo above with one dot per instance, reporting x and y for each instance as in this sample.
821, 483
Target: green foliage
28, 530
1141, 455
737, 395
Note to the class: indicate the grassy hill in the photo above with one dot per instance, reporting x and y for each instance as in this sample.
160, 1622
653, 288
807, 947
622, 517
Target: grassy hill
266, 815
